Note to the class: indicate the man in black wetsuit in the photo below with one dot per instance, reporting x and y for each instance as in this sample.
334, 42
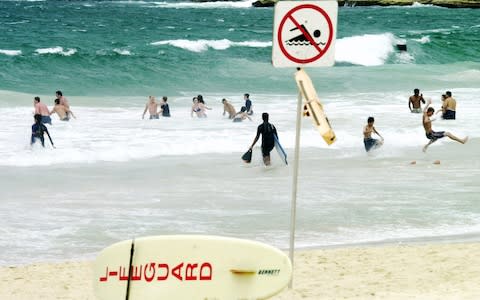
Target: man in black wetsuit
267, 131
38, 130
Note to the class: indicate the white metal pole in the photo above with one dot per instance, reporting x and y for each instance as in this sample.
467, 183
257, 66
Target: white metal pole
293, 209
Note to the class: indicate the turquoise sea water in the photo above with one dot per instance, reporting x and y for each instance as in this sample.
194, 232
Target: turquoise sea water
114, 175
140, 47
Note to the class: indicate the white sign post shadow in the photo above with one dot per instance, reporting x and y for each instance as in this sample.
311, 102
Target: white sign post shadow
304, 34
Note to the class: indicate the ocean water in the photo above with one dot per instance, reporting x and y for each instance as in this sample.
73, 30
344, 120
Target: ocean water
114, 176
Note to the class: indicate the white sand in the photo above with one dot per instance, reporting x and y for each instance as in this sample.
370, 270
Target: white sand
439, 271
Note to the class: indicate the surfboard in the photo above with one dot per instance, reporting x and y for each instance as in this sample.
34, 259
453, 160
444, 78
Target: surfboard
280, 150
190, 267
313, 107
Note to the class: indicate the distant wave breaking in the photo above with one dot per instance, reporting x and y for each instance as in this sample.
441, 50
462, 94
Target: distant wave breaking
212, 4
56, 50
11, 52
204, 45
365, 50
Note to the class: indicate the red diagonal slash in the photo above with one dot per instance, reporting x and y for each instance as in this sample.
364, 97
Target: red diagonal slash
306, 34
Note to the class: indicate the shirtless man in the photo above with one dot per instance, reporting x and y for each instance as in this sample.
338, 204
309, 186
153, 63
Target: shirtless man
414, 101
432, 135
369, 142
228, 107
62, 111
42, 109
152, 107
62, 99
449, 107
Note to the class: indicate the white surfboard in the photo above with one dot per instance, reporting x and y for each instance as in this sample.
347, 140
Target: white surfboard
313, 107
190, 267
280, 150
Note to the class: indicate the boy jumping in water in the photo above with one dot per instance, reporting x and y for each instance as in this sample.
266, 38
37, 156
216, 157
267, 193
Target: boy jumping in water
432, 135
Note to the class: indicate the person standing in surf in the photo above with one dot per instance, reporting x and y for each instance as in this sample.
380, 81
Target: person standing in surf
164, 108
152, 107
62, 111
268, 132
432, 135
449, 107
42, 110
62, 99
38, 131
414, 102
369, 142
248, 104
228, 108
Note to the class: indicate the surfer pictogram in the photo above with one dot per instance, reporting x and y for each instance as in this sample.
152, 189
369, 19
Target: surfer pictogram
304, 38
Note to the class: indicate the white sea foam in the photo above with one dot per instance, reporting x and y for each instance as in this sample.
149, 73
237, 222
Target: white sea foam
11, 52
423, 40
183, 135
122, 51
209, 5
204, 45
366, 50
56, 50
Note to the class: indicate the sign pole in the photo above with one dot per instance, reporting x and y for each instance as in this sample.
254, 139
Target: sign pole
293, 210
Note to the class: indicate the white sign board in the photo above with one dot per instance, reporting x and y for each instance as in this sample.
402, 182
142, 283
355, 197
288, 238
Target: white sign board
304, 33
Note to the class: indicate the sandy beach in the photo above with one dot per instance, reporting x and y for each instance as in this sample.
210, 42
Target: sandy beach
436, 271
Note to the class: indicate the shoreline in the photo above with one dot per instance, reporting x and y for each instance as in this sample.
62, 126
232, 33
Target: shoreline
428, 271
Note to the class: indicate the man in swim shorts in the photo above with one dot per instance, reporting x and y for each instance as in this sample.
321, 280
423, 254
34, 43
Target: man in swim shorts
369, 142
432, 135
415, 100
152, 107
42, 110
268, 131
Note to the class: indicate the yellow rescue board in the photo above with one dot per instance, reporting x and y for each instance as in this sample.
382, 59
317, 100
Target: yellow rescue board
190, 267
313, 107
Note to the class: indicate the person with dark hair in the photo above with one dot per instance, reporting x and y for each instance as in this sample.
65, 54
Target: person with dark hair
369, 142
38, 131
63, 100
248, 104
164, 108
414, 102
42, 110
241, 115
432, 135
268, 132
62, 111
203, 107
449, 107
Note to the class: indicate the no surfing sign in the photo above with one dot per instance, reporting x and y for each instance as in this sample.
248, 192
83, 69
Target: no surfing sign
304, 33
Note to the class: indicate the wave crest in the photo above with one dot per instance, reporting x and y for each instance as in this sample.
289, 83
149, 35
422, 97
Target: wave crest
204, 45
56, 50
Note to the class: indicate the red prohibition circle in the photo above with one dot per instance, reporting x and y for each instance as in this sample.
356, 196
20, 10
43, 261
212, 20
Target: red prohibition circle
288, 16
